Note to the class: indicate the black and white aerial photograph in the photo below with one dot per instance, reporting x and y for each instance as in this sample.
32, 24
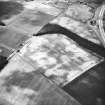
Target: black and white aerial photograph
52, 52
